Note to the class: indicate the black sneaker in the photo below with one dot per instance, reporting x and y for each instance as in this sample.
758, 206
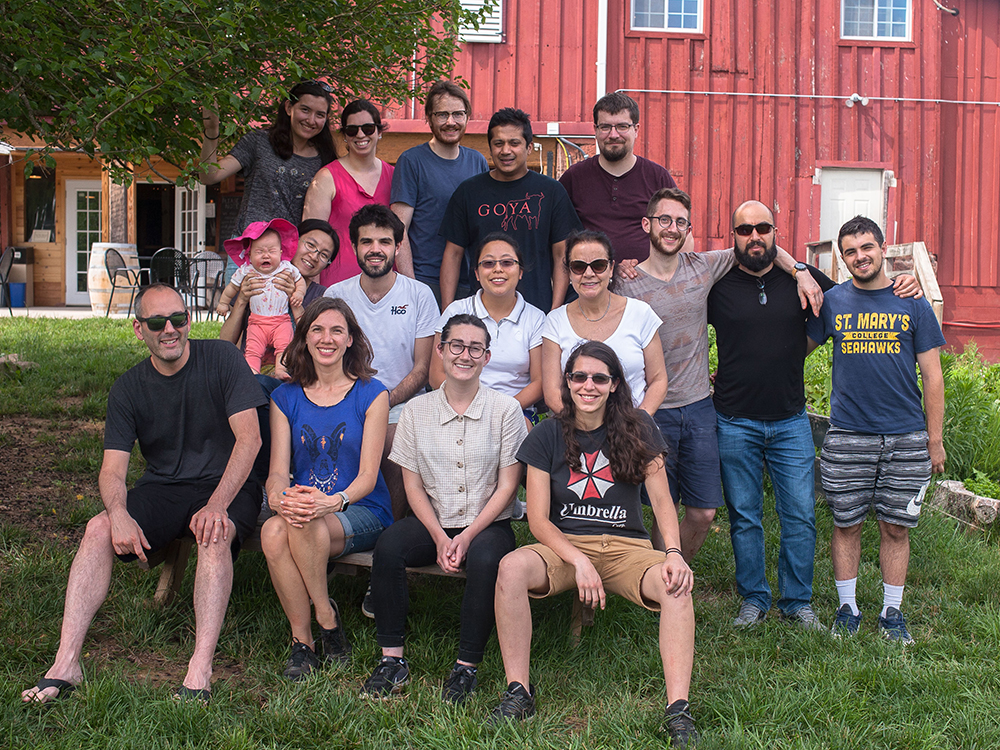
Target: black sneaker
518, 704
460, 683
678, 725
388, 679
366, 604
302, 661
336, 647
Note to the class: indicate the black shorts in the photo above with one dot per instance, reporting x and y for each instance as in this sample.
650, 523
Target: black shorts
163, 511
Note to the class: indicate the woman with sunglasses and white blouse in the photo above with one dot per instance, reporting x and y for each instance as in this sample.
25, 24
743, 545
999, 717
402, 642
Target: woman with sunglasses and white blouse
515, 326
629, 326
359, 178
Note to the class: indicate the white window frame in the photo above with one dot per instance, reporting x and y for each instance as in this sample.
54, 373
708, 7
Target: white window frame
666, 19
490, 31
875, 36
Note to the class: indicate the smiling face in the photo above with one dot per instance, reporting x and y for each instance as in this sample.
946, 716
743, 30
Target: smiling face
509, 151
308, 115
168, 347
313, 253
757, 251
450, 130
615, 146
667, 240
864, 259
498, 281
589, 397
328, 339
463, 367
265, 252
361, 144
590, 284
376, 250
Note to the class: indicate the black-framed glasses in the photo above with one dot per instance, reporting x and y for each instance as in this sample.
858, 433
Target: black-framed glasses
313, 249
505, 263
761, 294
666, 220
580, 378
745, 230
159, 322
579, 267
457, 347
368, 128
622, 127
443, 117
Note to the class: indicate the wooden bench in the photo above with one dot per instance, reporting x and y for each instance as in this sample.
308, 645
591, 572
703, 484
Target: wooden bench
174, 558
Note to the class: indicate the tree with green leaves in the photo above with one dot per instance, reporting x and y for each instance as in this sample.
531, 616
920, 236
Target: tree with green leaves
127, 78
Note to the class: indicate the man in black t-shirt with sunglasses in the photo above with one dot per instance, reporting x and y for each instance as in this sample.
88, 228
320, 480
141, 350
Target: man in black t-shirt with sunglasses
193, 408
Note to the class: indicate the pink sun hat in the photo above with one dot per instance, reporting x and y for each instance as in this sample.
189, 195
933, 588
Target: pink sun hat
238, 248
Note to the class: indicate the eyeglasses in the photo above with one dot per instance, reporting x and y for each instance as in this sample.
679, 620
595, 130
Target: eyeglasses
368, 128
666, 220
443, 117
745, 230
312, 249
580, 378
579, 267
321, 84
159, 322
457, 347
622, 127
504, 263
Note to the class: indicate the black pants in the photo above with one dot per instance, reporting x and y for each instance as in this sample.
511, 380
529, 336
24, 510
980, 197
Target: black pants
408, 543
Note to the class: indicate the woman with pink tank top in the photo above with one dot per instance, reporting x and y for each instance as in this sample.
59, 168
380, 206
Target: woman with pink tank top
346, 184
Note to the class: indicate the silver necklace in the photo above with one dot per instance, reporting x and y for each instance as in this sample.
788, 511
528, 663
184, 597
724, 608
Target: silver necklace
594, 320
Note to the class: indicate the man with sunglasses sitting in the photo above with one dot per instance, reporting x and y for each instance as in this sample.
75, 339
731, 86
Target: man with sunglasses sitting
193, 408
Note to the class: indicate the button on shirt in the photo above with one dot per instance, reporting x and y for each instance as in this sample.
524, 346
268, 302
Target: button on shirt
458, 457
511, 340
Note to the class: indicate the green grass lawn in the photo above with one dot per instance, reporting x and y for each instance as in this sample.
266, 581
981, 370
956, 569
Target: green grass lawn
775, 687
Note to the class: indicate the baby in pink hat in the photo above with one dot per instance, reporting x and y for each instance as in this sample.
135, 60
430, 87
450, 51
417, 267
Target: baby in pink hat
265, 250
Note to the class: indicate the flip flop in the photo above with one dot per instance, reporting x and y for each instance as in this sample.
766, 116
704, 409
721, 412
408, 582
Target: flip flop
184, 694
65, 690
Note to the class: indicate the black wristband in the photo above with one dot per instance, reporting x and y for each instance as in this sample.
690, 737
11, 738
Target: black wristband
674, 549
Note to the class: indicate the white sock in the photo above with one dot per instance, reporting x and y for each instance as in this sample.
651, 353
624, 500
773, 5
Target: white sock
892, 596
847, 591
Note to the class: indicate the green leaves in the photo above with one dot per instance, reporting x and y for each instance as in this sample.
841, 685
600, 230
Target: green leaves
132, 75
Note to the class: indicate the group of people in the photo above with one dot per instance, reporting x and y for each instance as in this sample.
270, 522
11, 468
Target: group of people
500, 289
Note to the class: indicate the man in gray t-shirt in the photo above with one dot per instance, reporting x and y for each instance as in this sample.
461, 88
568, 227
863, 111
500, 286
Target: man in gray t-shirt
676, 285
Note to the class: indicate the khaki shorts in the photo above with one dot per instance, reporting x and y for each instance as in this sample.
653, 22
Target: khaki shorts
621, 562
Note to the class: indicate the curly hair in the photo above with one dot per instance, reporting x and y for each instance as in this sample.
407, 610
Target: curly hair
629, 451
357, 359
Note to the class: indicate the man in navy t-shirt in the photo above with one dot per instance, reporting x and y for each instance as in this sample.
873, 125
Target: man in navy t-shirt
880, 451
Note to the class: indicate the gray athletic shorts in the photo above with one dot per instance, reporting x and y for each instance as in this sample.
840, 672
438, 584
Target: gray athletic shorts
889, 472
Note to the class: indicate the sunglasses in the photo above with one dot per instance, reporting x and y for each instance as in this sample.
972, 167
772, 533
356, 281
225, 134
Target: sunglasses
745, 230
579, 267
321, 84
368, 128
580, 378
505, 263
159, 322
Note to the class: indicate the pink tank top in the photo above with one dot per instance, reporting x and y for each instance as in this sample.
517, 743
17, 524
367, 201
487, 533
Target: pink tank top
349, 198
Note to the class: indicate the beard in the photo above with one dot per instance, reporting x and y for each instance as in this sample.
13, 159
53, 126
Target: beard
376, 271
756, 262
614, 152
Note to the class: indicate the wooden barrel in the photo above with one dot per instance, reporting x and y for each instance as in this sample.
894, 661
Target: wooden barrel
98, 283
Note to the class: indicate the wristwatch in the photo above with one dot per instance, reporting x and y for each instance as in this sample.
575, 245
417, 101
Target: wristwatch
800, 266
346, 499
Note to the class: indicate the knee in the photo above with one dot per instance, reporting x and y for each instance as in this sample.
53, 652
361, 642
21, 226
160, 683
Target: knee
98, 527
893, 533
700, 518
274, 537
513, 571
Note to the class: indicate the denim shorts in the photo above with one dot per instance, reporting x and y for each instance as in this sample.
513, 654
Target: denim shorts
692, 454
361, 528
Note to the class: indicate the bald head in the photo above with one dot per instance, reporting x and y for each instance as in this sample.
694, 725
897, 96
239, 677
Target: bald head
754, 207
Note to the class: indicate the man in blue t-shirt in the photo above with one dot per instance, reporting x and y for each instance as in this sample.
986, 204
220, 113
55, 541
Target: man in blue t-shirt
424, 180
879, 451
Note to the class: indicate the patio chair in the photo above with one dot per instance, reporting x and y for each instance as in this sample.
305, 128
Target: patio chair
169, 266
6, 261
207, 271
121, 277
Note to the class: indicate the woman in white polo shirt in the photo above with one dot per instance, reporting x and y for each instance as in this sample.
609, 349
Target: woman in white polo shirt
515, 327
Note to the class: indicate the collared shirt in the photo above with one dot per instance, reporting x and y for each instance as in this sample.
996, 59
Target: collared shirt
459, 456
516, 334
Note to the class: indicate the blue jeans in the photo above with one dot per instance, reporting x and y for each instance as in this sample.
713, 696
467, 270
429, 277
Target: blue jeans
785, 446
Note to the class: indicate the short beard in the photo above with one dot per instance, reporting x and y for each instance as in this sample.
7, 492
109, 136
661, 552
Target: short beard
376, 273
756, 263
617, 156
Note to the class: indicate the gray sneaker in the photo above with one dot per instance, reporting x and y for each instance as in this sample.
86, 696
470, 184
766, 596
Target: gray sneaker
805, 618
749, 615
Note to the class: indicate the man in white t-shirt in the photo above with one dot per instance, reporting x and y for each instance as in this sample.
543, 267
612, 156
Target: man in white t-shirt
398, 315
